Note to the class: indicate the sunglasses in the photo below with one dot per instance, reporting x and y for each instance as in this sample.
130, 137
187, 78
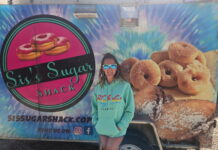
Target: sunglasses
112, 66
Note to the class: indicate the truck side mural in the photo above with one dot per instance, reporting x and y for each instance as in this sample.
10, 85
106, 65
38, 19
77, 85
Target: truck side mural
50, 60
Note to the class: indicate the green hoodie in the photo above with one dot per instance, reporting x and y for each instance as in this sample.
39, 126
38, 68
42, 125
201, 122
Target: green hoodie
112, 107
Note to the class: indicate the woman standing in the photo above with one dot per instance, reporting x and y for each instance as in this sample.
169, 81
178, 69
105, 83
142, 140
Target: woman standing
112, 104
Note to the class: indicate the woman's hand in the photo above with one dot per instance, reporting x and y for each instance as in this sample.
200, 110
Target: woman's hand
118, 128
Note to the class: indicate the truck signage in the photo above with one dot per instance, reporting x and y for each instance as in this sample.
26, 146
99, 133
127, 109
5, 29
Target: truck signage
40, 75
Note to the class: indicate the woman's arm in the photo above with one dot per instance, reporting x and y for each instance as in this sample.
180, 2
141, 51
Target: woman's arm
94, 109
129, 109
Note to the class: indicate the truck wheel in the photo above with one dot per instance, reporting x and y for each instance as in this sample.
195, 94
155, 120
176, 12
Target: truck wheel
134, 142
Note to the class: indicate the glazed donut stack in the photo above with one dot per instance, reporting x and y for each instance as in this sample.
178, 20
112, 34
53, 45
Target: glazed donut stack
47, 43
144, 76
183, 65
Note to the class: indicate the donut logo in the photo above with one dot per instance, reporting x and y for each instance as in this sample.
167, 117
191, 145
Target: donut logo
47, 63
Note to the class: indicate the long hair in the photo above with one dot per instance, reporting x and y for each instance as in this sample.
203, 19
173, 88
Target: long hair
102, 76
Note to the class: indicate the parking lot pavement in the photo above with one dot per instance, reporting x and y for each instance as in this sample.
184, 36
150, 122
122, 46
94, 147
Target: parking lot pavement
45, 145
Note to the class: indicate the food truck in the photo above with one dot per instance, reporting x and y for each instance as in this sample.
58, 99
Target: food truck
50, 59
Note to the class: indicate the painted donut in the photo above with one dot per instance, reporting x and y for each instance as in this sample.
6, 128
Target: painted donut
184, 119
193, 78
62, 45
126, 66
27, 52
44, 41
144, 96
205, 139
149, 100
144, 72
182, 53
169, 71
159, 56
201, 58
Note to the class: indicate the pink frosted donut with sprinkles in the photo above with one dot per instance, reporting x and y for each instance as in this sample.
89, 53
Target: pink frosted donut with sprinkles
44, 41
62, 45
27, 52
